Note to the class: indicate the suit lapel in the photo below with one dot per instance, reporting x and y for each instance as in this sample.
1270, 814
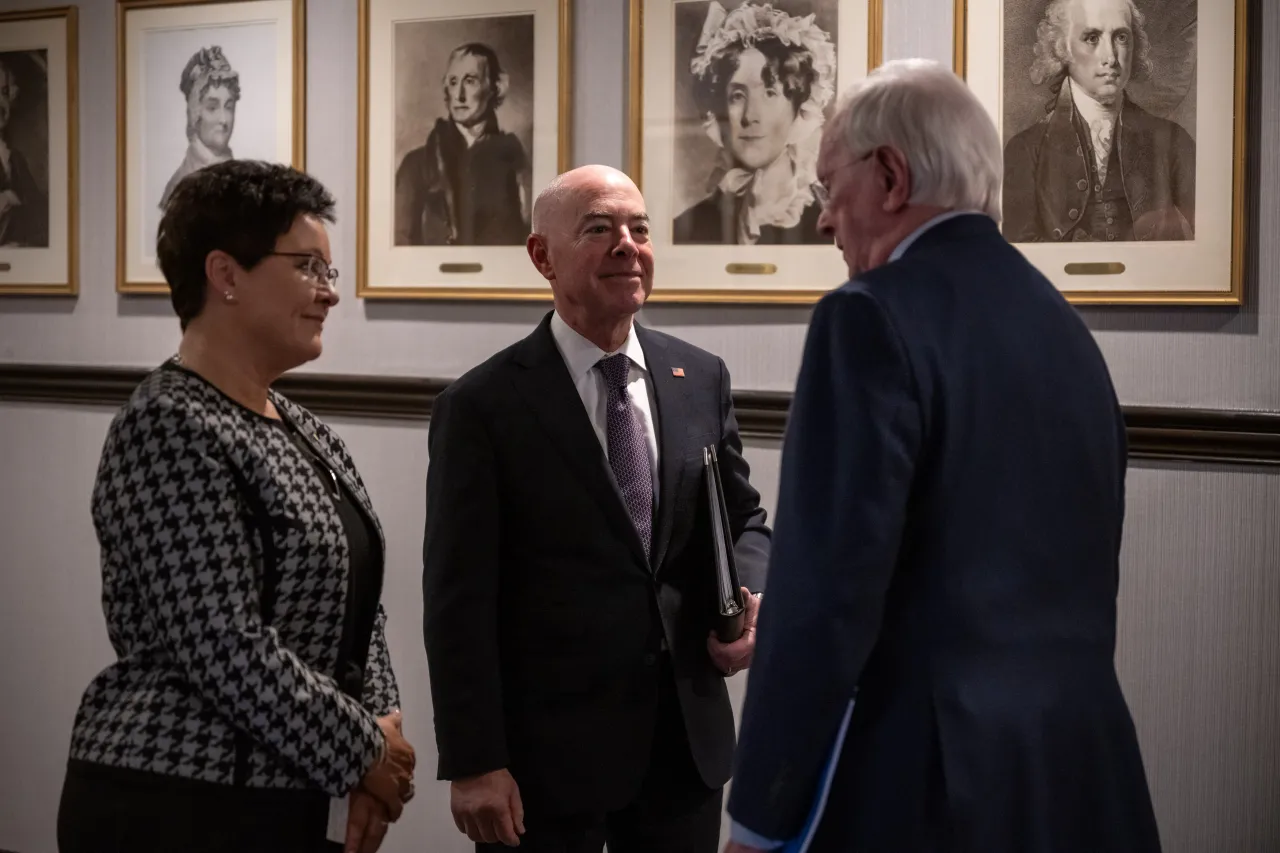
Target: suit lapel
671, 393
547, 387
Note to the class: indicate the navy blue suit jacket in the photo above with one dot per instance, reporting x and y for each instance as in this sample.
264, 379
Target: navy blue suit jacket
946, 544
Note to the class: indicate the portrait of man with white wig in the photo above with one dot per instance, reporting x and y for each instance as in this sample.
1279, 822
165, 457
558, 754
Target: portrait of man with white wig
762, 79
211, 88
1096, 166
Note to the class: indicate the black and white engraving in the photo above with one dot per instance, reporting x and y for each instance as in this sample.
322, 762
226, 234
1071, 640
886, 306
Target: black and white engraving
204, 95
210, 87
464, 131
1099, 119
754, 85
24, 149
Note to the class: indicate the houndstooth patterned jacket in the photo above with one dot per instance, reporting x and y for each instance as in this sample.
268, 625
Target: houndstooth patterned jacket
208, 519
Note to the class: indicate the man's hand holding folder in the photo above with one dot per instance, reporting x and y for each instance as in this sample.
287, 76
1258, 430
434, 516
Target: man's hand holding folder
734, 657
733, 640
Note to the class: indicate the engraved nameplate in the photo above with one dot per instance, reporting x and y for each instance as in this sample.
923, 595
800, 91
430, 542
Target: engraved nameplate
750, 269
1108, 268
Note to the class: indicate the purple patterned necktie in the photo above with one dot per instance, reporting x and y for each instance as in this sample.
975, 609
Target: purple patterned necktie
628, 453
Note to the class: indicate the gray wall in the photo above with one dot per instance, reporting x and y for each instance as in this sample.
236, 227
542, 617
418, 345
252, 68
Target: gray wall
1200, 603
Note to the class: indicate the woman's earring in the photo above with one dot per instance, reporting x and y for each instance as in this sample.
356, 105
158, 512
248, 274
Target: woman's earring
227, 296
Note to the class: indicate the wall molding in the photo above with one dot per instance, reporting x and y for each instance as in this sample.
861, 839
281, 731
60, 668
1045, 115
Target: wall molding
1155, 432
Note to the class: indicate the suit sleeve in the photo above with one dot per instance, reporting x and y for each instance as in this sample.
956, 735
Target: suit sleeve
169, 514
460, 555
382, 694
848, 460
746, 517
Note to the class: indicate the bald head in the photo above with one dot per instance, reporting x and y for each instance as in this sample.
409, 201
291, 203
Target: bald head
590, 240
555, 207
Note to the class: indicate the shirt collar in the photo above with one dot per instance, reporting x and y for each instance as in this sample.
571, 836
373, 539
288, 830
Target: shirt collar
580, 355
902, 247
1089, 108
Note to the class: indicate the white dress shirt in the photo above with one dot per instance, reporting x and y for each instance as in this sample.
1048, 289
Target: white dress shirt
1101, 121
580, 357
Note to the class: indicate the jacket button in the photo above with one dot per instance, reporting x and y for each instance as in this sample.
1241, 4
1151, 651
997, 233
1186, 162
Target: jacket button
1057, 232
1082, 184
1079, 151
1097, 188
1073, 213
650, 659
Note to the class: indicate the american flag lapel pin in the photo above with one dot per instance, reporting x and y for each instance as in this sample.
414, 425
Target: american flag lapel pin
677, 371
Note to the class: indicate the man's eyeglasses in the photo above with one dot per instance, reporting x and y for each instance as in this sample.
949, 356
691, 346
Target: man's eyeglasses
316, 270
820, 191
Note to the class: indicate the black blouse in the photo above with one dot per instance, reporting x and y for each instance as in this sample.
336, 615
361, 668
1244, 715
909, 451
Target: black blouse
364, 572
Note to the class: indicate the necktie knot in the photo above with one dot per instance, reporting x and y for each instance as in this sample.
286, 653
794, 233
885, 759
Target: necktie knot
616, 369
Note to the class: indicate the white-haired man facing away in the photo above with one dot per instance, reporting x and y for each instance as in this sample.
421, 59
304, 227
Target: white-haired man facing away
934, 667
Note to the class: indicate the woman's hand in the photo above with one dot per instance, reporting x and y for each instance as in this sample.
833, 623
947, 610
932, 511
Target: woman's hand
390, 781
366, 823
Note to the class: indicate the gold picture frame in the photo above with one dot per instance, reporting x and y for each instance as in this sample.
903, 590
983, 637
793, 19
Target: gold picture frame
257, 39
1139, 272
39, 49
749, 274
402, 250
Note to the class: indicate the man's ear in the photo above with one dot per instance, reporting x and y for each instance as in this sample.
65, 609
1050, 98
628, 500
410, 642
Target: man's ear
220, 272
537, 248
896, 174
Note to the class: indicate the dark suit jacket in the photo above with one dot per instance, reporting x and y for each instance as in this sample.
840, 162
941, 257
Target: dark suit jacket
949, 523
1046, 176
544, 620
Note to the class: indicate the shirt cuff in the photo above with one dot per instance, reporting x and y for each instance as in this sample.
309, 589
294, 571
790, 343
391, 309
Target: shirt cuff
742, 835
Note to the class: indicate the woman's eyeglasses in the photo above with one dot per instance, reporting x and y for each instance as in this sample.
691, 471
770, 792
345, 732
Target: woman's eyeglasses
316, 270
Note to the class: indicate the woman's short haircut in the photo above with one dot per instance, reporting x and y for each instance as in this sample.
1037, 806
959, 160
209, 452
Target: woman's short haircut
241, 207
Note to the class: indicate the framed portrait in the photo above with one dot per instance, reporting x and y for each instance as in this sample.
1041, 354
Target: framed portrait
464, 112
38, 153
1123, 125
198, 83
727, 105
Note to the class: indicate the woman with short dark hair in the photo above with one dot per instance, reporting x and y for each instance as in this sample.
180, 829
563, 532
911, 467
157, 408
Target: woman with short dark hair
242, 563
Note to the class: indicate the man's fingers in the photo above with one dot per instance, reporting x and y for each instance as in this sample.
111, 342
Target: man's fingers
473, 828
505, 830
517, 810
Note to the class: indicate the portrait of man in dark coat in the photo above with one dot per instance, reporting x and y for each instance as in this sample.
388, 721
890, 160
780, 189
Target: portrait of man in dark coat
466, 186
1096, 166
24, 204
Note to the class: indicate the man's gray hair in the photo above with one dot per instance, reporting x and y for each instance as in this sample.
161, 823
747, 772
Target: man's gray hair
921, 108
1053, 51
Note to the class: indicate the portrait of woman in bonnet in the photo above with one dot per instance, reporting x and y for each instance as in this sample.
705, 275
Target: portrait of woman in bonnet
212, 89
762, 79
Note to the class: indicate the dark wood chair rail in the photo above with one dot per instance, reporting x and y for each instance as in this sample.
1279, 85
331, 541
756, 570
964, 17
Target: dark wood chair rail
1155, 432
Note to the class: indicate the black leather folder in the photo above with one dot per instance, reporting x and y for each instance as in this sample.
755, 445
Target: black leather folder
731, 612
